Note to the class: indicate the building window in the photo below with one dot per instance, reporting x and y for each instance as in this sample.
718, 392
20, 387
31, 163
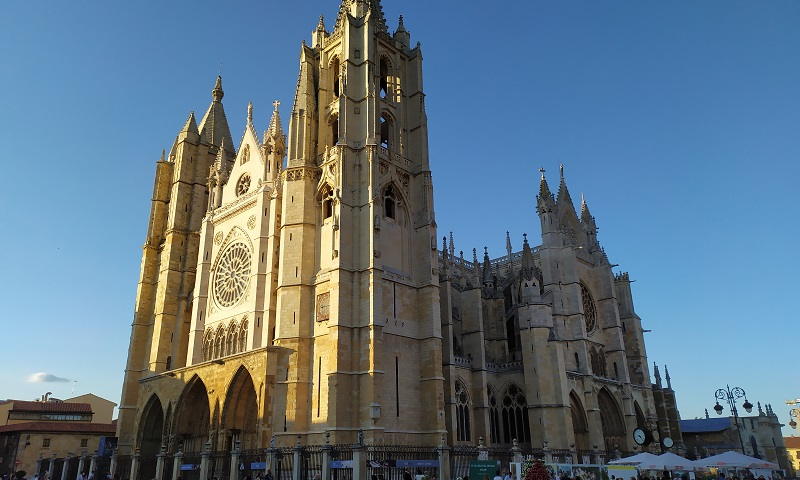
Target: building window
335, 73
327, 202
335, 130
389, 202
384, 86
243, 185
515, 416
462, 413
589, 309
84, 442
494, 418
386, 132
45, 443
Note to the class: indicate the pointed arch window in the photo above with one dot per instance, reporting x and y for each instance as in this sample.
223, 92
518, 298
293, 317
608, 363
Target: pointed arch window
245, 155
390, 202
589, 309
494, 418
326, 197
230, 339
243, 336
208, 345
386, 131
515, 416
384, 81
335, 67
335, 130
219, 343
462, 414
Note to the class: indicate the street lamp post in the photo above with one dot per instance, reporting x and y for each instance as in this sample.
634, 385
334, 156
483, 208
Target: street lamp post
793, 413
731, 395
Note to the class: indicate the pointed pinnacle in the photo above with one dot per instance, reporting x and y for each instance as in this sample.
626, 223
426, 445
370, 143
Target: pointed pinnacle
249, 113
321, 24
190, 125
217, 93
163, 155
401, 26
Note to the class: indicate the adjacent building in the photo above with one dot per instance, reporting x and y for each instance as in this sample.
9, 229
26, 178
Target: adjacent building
756, 435
44, 435
793, 451
292, 288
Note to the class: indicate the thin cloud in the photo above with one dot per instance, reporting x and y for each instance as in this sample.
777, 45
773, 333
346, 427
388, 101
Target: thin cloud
42, 377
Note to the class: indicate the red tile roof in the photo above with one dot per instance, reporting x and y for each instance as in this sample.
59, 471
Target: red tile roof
791, 442
51, 407
108, 429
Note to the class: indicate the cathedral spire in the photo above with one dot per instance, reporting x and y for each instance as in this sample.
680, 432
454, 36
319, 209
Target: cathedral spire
452, 246
666, 375
508, 245
657, 374
214, 125
545, 201
487, 267
564, 200
360, 9
401, 34
191, 125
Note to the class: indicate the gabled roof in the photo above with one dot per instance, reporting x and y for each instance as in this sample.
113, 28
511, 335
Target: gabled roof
51, 407
699, 425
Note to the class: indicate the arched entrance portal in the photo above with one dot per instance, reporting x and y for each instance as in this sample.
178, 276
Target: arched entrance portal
580, 426
612, 422
192, 417
151, 431
240, 412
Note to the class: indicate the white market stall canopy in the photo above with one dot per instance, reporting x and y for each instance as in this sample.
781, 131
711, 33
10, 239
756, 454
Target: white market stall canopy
735, 460
668, 461
635, 459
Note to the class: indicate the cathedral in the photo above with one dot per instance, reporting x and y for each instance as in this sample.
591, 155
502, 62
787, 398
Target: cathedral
292, 287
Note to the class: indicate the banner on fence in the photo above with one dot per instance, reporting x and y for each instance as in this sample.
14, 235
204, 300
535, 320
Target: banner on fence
483, 469
190, 466
622, 472
417, 463
341, 464
256, 466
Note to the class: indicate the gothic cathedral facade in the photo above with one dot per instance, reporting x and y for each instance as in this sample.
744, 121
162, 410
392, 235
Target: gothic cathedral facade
293, 287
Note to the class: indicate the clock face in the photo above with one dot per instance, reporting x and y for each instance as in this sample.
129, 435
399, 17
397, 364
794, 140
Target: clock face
639, 436
667, 442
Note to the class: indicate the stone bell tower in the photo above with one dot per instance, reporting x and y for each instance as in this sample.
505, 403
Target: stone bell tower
357, 295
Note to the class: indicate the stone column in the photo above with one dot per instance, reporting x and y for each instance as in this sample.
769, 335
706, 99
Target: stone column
93, 464
235, 453
516, 452
483, 451
162, 452
359, 459
326, 457
297, 461
38, 465
51, 467
176, 465
65, 466
548, 454
135, 465
444, 459
81, 465
112, 469
204, 460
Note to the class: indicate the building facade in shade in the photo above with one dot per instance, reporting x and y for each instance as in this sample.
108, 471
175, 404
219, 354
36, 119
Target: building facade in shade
758, 436
292, 286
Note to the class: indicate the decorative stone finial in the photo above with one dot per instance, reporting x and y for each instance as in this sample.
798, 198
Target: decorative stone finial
218, 93
249, 113
561, 171
541, 171
321, 24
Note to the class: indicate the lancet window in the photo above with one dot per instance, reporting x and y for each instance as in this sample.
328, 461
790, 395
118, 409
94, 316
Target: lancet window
494, 417
463, 433
390, 202
515, 416
326, 196
224, 341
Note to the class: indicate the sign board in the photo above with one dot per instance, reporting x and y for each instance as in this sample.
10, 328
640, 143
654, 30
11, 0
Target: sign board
258, 465
417, 464
341, 464
483, 469
622, 472
189, 466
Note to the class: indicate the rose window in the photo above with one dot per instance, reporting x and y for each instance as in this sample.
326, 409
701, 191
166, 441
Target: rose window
243, 185
589, 310
232, 275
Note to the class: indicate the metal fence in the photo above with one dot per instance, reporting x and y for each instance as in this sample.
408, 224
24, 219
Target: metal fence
284, 463
190, 461
123, 470
389, 462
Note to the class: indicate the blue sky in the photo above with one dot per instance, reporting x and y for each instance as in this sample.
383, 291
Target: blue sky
678, 120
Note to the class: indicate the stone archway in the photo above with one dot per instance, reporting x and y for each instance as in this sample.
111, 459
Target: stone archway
580, 425
192, 417
240, 411
151, 432
612, 421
